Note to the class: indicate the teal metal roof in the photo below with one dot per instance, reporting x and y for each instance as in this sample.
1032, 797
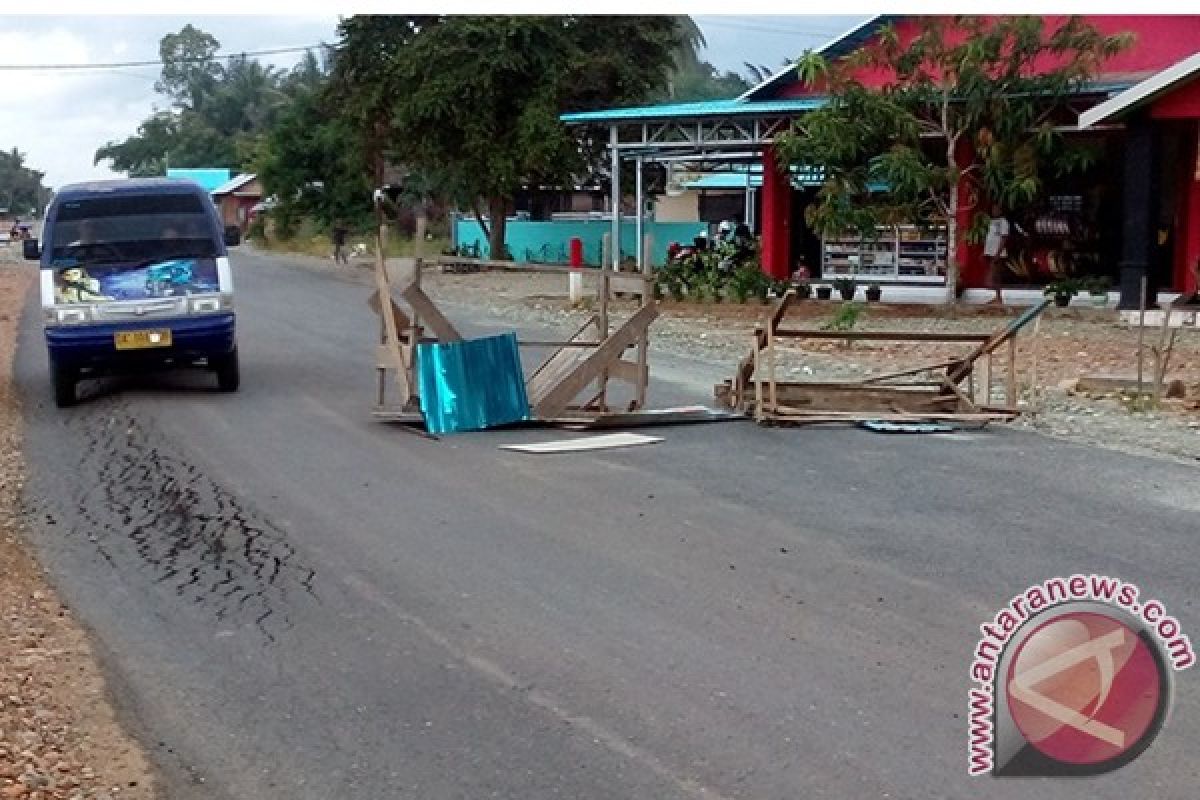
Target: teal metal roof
209, 179
708, 108
801, 177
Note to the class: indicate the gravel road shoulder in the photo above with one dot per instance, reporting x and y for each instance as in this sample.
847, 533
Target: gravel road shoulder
60, 738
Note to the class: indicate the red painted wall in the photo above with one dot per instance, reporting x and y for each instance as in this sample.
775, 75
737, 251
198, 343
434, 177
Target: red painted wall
1182, 103
1187, 221
1161, 41
776, 218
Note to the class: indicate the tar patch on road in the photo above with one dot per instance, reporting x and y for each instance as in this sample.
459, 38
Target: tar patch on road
192, 534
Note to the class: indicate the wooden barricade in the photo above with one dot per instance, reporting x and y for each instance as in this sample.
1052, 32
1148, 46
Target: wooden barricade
944, 390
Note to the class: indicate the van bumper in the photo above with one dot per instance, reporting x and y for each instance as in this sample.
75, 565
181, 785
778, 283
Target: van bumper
192, 338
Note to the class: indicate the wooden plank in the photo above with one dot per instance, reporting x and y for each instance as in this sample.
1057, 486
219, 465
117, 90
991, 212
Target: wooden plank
556, 398
430, 314
407, 271
906, 372
560, 363
629, 283
856, 397
788, 411
886, 336
401, 319
629, 372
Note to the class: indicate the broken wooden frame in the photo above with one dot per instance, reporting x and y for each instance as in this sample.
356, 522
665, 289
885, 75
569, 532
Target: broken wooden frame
948, 390
593, 356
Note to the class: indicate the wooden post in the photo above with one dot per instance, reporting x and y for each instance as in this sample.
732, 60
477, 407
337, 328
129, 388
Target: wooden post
1011, 389
1033, 369
771, 365
758, 392
1141, 336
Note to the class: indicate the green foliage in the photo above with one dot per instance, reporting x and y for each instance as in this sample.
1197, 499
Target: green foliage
471, 103
21, 188
700, 80
747, 281
1063, 286
960, 80
1095, 284
845, 318
220, 112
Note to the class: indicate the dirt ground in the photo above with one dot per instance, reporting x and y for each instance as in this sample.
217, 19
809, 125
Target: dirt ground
59, 737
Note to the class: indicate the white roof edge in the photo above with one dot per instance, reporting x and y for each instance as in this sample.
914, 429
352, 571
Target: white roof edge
746, 95
1140, 92
236, 182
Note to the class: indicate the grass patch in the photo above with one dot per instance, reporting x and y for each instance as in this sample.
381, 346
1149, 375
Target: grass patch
309, 241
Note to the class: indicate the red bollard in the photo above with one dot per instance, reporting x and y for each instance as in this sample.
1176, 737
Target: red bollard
576, 252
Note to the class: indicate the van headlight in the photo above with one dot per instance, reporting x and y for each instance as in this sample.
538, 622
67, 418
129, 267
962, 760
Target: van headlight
210, 303
67, 316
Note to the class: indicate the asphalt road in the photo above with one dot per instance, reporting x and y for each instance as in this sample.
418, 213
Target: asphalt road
295, 601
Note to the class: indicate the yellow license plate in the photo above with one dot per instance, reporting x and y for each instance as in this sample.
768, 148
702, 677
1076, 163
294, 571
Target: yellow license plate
141, 340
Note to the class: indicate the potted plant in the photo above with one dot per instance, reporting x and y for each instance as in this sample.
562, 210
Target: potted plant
874, 293
846, 287
824, 292
1097, 289
1062, 290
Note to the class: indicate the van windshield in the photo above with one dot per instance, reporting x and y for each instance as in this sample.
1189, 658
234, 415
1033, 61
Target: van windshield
132, 228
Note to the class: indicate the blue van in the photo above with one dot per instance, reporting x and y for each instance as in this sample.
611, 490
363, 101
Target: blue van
135, 275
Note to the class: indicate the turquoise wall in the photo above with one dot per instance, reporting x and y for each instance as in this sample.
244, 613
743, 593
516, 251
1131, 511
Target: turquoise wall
549, 242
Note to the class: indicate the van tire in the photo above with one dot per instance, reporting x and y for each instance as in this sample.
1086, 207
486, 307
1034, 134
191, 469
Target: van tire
64, 377
228, 375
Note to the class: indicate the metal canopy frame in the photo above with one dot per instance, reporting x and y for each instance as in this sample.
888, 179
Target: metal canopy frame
710, 143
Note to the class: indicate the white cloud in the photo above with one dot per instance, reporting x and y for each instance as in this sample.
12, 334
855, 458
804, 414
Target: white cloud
60, 118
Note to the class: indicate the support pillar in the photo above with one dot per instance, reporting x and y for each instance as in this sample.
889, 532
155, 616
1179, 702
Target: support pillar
972, 270
1188, 238
615, 183
776, 217
1140, 212
639, 219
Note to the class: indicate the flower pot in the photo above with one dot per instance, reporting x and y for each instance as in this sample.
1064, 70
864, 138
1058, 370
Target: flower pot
874, 294
803, 291
1062, 300
847, 294
824, 292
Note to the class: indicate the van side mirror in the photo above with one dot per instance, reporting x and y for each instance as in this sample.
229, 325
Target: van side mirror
30, 249
233, 235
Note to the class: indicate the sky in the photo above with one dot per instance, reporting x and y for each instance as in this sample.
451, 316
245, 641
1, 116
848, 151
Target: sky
60, 118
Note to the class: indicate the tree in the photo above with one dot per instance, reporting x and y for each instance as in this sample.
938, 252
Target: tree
190, 71
700, 80
217, 111
21, 188
962, 84
471, 103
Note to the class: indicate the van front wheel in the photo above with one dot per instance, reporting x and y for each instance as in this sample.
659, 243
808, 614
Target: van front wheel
64, 377
228, 376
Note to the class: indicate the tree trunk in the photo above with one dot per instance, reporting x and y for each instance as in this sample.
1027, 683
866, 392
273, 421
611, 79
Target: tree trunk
952, 248
419, 232
497, 208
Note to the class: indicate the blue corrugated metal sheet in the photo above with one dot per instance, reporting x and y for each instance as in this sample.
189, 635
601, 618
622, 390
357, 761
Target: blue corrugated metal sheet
471, 385
208, 178
708, 108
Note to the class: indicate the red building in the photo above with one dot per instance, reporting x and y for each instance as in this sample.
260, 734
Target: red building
236, 198
1137, 213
